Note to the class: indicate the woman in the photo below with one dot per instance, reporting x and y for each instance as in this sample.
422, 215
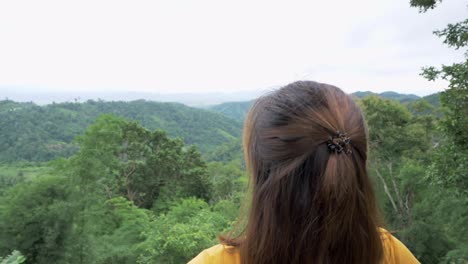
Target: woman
312, 200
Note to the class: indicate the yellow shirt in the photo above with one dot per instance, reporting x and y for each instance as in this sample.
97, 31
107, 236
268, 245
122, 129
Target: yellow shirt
394, 253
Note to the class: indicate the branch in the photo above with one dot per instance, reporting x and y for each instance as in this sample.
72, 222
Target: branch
130, 194
395, 187
408, 199
108, 191
387, 191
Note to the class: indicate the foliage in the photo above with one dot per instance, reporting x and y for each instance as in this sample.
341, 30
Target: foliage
424, 5
433, 100
447, 170
453, 155
228, 180
226, 152
35, 219
124, 224
11, 175
42, 133
403, 144
189, 226
14, 258
395, 137
120, 158
10, 106
234, 110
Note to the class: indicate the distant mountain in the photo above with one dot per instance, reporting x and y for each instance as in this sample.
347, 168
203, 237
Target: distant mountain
39, 133
399, 97
238, 110
363, 94
389, 95
43, 97
204, 99
8, 105
433, 99
234, 110
31, 132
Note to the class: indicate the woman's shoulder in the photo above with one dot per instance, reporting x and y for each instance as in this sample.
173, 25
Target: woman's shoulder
217, 254
395, 251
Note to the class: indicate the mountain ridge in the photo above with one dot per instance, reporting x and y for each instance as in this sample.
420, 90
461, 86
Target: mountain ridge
40, 133
238, 110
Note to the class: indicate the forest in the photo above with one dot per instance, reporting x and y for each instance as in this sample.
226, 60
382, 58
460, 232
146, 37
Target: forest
149, 182
130, 193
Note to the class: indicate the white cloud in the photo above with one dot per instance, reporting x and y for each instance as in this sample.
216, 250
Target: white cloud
200, 46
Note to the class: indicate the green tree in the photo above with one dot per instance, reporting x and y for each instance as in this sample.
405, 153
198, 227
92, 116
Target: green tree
180, 234
455, 102
401, 147
122, 230
449, 168
229, 180
35, 219
394, 137
121, 158
118, 158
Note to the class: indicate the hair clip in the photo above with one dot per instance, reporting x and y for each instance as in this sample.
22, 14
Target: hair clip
339, 143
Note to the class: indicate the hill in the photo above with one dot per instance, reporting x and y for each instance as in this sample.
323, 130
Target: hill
9, 105
43, 96
238, 110
433, 99
234, 110
40, 133
388, 95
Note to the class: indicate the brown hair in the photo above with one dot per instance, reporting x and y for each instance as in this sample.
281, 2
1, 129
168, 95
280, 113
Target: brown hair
308, 204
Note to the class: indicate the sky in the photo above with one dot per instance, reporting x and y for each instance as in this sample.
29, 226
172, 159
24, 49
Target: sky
208, 46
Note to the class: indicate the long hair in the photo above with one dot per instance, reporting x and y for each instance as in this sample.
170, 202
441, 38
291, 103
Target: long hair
308, 204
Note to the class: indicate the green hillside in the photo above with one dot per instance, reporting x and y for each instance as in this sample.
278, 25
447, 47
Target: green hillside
234, 110
433, 99
9, 105
388, 95
40, 133
238, 110
227, 152
399, 97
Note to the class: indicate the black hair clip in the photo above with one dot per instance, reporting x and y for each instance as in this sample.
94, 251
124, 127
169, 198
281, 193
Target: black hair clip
339, 143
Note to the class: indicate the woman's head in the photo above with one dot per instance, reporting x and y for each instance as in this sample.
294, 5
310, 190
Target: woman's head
312, 201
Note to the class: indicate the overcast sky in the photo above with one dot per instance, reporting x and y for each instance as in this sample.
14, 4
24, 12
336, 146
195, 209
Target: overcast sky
204, 46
